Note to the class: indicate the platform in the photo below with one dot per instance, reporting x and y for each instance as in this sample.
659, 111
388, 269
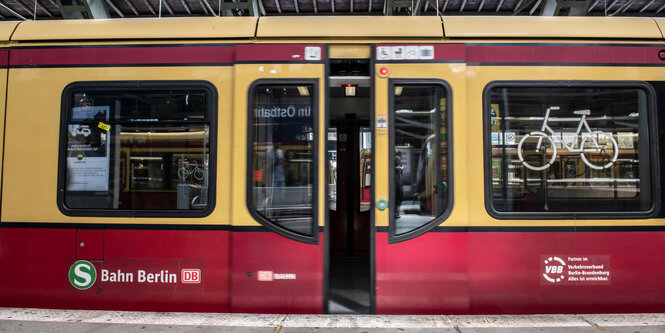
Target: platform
39, 320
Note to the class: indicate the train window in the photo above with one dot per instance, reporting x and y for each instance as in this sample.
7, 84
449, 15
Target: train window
576, 149
421, 187
282, 186
141, 148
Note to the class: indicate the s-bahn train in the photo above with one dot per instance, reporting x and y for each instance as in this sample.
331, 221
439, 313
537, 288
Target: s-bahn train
424, 165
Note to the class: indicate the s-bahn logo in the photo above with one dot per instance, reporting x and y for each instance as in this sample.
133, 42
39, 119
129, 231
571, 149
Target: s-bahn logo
82, 274
554, 269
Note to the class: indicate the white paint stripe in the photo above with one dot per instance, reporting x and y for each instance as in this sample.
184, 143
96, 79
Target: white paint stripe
329, 321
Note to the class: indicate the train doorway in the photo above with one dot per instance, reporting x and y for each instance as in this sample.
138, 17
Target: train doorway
349, 216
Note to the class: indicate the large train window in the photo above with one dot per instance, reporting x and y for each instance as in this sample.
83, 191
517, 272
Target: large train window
137, 149
282, 185
421, 191
575, 149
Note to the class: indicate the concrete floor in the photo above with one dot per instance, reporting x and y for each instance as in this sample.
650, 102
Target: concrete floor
39, 320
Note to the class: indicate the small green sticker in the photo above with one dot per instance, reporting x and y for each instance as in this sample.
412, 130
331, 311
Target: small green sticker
382, 204
82, 274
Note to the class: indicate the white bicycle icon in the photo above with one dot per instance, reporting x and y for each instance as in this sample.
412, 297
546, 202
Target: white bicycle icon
190, 169
592, 142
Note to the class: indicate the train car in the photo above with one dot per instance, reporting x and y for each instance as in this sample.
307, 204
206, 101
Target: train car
506, 165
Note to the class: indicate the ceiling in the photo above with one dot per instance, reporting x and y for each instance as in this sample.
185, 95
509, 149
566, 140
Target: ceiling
91, 9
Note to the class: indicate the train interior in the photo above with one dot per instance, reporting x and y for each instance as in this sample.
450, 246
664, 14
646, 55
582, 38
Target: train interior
349, 218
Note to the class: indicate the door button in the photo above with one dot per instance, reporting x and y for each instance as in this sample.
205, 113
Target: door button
382, 204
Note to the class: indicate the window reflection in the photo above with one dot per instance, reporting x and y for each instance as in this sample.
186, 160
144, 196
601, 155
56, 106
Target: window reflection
569, 149
420, 184
282, 155
332, 168
365, 140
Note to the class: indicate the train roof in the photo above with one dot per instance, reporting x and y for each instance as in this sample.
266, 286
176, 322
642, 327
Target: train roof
6, 29
137, 29
552, 27
417, 27
351, 27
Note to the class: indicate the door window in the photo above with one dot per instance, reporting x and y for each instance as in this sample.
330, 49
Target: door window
419, 162
283, 156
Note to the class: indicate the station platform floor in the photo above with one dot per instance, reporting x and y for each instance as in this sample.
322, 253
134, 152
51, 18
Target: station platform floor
41, 320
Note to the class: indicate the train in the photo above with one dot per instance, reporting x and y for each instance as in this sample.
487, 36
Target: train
506, 165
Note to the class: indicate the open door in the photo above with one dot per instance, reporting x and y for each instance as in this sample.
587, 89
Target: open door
279, 179
348, 254
413, 167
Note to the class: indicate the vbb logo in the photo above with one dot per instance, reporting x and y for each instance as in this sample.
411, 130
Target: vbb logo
554, 267
82, 274
190, 276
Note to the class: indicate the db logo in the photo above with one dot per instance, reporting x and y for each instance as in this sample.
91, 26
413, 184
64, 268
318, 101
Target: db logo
264, 275
190, 276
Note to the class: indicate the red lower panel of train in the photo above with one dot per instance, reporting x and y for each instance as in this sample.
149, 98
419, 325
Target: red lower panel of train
521, 273
159, 270
439, 272
272, 274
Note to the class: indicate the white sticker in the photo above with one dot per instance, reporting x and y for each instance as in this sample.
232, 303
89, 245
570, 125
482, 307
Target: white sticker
312, 53
381, 123
399, 52
509, 138
384, 53
427, 52
413, 52
405, 52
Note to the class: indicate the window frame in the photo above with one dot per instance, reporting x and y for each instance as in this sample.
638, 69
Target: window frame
272, 226
211, 119
437, 220
652, 156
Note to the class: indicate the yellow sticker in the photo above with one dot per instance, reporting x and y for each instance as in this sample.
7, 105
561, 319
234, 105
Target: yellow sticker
104, 126
495, 117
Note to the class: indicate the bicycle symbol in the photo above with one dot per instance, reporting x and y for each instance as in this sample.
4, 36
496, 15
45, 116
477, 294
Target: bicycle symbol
596, 142
190, 169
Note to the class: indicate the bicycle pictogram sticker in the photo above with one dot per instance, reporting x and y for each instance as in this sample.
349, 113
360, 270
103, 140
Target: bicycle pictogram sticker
600, 145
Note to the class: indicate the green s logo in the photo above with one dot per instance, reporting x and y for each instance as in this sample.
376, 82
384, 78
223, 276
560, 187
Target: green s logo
82, 274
